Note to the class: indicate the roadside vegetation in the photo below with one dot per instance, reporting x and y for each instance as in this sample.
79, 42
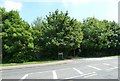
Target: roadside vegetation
27, 63
56, 33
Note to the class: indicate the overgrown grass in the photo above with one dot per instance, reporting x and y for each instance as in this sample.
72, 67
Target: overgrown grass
26, 63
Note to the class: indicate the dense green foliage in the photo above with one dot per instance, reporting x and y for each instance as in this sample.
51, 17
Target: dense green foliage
61, 33
57, 32
17, 40
100, 38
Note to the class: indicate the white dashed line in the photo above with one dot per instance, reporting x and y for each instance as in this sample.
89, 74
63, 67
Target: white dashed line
78, 71
94, 67
54, 74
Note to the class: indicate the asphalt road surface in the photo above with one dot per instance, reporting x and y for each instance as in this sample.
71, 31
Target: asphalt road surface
95, 68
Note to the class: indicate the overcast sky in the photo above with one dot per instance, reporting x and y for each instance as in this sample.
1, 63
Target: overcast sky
79, 9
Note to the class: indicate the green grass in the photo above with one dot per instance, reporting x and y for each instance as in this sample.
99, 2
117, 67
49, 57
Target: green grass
40, 62
26, 63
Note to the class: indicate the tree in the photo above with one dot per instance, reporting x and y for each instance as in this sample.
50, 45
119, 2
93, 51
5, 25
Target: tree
114, 38
62, 33
99, 36
37, 27
17, 39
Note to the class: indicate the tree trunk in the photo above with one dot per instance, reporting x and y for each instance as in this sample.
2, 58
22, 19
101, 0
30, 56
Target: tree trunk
74, 52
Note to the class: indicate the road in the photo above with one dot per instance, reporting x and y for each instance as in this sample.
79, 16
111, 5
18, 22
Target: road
95, 68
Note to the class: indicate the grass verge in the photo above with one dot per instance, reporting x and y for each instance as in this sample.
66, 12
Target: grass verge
26, 63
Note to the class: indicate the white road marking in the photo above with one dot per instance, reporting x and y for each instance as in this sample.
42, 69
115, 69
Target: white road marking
78, 71
112, 68
94, 67
89, 75
106, 64
49, 71
81, 75
26, 75
54, 74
